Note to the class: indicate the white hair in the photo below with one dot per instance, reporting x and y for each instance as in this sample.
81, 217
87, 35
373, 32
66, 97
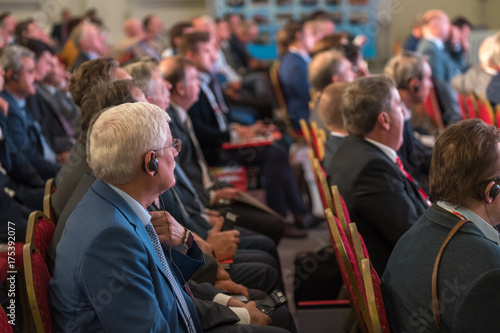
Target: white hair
489, 51
120, 138
12, 58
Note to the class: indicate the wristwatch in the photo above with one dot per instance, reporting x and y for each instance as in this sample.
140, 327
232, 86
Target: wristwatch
187, 241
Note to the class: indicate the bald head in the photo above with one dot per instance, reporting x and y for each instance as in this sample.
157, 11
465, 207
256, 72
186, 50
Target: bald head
436, 24
330, 106
133, 28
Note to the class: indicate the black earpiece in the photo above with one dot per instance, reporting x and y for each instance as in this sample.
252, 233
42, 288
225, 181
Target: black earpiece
152, 165
416, 88
494, 190
14, 77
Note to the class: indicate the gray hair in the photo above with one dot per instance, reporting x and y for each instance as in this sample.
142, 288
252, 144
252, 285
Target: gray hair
323, 66
363, 101
12, 58
405, 66
489, 52
142, 73
121, 136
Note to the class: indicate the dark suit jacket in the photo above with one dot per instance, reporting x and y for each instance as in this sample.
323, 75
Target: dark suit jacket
293, 79
88, 259
207, 130
331, 145
80, 59
468, 275
380, 199
239, 54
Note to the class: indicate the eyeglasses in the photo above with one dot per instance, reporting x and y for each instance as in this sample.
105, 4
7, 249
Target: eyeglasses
176, 144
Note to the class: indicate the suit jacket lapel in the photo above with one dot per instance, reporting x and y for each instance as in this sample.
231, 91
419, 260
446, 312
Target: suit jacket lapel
108, 194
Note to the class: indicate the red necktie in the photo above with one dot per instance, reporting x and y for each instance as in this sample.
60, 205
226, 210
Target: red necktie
399, 163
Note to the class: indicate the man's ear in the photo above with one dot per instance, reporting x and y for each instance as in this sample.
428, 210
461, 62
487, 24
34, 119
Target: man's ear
179, 88
384, 120
413, 84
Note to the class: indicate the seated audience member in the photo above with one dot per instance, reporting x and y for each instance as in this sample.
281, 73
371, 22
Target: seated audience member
69, 51
458, 44
153, 85
435, 32
245, 33
330, 111
60, 31
412, 75
24, 131
325, 68
28, 29
326, 21
380, 195
412, 41
8, 22
90, 43
90, 74
464, 187
55, 128
152, 44
293, 71
477, 78
175, 34
134, 34
185, 92
212, 123
115, 208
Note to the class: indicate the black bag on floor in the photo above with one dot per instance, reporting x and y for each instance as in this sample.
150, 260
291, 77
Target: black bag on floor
317, 276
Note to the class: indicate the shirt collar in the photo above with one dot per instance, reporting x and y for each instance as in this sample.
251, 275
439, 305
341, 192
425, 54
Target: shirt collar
337, 134
486, 228
181, 113
92, 55
21, 102
142, 213
438, 42
205, 78
391, 153
406, 110
304, 55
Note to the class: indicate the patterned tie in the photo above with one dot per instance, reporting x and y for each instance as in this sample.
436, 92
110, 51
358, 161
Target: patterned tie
208, 182
181, 302
424, 196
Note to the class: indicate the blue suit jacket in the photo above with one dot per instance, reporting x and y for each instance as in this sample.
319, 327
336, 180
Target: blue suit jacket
443, 66
107, 275
293, 79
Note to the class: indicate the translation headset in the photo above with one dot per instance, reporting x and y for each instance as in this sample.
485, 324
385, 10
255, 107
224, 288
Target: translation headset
152, 165
416, 88
494, 190
13, 77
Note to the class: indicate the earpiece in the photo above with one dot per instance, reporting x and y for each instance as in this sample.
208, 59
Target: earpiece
494, 190
13, 77
416, 88
152, 165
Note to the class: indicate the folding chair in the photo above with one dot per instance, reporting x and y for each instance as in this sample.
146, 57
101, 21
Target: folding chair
37, 278
40, 232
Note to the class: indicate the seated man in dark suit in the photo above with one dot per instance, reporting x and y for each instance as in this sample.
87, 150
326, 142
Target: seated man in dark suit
23, 129
412, 75
212, 123
464, 189
381, 196
330, 111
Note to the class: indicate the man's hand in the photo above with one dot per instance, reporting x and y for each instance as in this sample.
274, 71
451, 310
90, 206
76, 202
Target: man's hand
223, 243
226, 193
232, 287
202, 244
256, 316
167, 228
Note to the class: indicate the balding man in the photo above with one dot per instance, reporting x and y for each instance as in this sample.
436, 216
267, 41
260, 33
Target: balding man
435, 31
90, 43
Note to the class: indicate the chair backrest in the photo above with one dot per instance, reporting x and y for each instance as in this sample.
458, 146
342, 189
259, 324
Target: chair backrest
485, 110
50, 186
37, 278
4, 322
471, 103
40, 232
318, 138
340, 208
350, 272
306, 132
371, 281
463, 106
433, 110
323, 185
497, 115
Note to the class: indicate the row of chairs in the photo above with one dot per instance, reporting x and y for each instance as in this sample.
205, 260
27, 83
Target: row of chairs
360, 278
32, 272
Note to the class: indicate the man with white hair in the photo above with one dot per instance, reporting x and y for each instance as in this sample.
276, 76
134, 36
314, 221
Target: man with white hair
90, 43
109, 244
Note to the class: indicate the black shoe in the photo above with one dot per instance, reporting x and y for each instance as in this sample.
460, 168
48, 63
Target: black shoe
293, 232
307, 221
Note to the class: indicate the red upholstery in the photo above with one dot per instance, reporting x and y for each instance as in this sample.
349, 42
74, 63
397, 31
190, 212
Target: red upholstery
484, 113
18, 256
463, 106
346, 212
433, 109
382, 314
41, 278
4, 322
44, 231
469, 102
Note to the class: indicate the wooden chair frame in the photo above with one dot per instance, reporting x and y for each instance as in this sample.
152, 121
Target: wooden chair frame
28, 249
32, 222
318, 137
